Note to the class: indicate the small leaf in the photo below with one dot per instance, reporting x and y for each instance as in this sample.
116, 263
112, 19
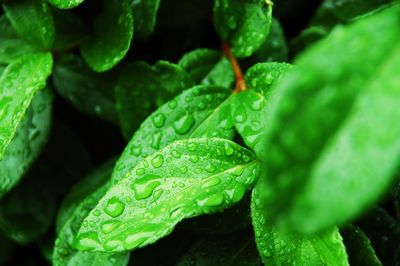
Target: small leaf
202, 111
205, 175
359, 248
32, 20
230, 250
11, 45
69, 30
76, 206
28, 141
142, 88
277, 247
323, 125
250, 107
18, 84
207, 66
65, 4
89, 92
145, 16
244, 24
111, 39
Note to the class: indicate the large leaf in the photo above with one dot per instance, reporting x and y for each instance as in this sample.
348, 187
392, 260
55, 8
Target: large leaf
18, 84
145, 16
32, 20
185, 179
65, 4
250, 107
11, 45
89, 92
207, 66
330, 136
278, 247
76, 206
142, 88
111, 37
28, 141
244, 24
202, 111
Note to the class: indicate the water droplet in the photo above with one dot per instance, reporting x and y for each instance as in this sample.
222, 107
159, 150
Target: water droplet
269, 79
173, 104
88, 241
145, 186
184, 124
228, 149
157, 161
211, 201
109, 226
212, 182
158, 120
194, 158
114, 207
237, 193
156, 139
240, 114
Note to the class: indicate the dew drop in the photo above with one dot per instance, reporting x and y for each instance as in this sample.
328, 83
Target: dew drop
157, 161
114, 207
184, 124
158, 120
145, 186
211, 201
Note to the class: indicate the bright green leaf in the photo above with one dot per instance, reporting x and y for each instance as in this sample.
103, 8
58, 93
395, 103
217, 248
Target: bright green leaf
142, 88
69, 30
18, 84
33, 21
145, 16
331, 134
65, 4
76, 206
89, 92
284, 248
244, 24
111, 37
11, 45
29, 138
207, 66
185, 179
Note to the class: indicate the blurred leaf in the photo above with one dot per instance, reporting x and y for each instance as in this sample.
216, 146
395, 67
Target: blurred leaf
145, 16
306, 38
89, 92
18, 84
207, 66
111, 36
206, 175
6, 248
244, 24
32, 20
359, 248
142, 88
65, 4
69, 30
29, 139
323, 125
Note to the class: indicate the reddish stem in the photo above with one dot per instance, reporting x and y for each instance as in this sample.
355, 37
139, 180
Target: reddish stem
240, 82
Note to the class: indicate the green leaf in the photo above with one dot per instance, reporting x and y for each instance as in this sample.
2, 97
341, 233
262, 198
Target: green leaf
384, 232
244, 24
18, 84
359, 248
207, 66
89, 92
306, 38
69, 30
76, 206
231, 250
6, 248
65, 4
323, 125
278, 247
32, 20
142, 88
111, 37
11, 45
145, 16
185, 179
202, 111
250, 107
28, 141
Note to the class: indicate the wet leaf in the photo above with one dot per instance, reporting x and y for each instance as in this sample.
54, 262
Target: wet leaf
65, 4
145, 16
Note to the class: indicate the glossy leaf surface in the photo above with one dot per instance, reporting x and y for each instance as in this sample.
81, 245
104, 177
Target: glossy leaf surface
145, 16
65, 4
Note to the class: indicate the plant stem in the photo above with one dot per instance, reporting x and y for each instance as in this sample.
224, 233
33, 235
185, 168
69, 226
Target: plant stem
240, 82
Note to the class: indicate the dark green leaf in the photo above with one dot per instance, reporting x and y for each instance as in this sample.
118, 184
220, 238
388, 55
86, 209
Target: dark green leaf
207, 66
231, 250
89, 92
185, 179
145, 16
76, 206
202, 111
6, 248
28, 141
33, 21
18, 84
244, 24
65, 4
11, 45
325, 124
111, 37
69, 30
277, 247
306, 38
359, 248
142, 88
